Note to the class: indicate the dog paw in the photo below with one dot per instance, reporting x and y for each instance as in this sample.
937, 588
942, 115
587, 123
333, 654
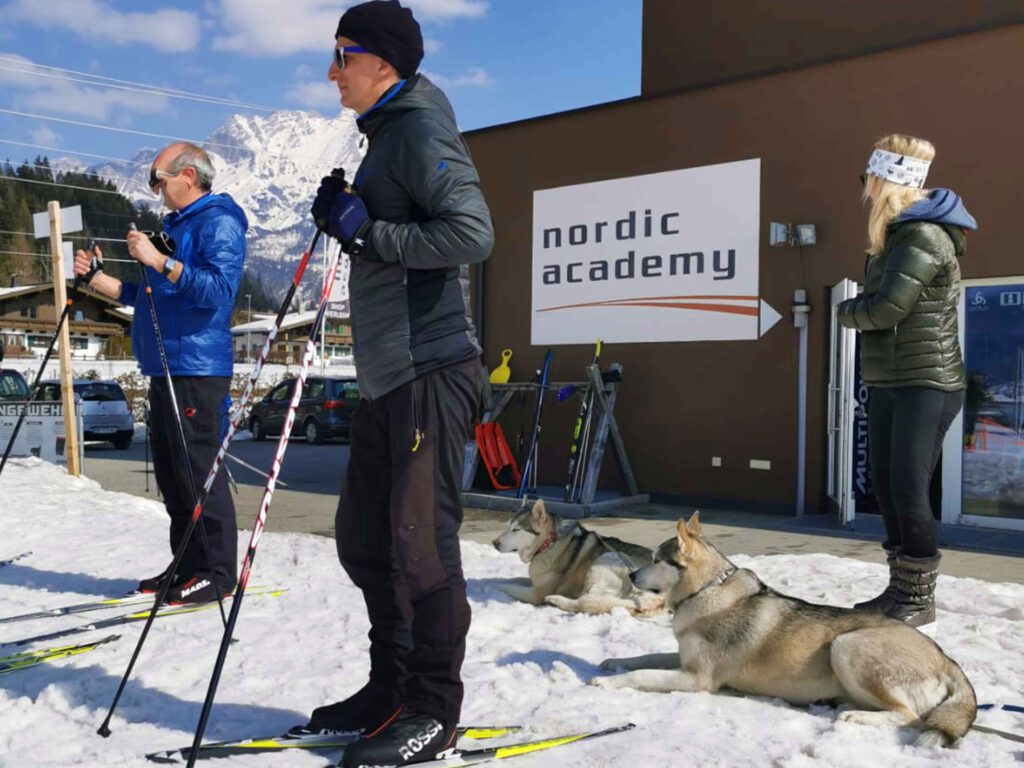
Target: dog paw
605, 682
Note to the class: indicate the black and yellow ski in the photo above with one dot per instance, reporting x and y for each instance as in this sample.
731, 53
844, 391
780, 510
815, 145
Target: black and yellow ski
18, 661
127, 618
456, 758
299, 739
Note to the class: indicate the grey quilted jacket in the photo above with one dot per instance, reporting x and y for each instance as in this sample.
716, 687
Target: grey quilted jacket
409, 290
908, 311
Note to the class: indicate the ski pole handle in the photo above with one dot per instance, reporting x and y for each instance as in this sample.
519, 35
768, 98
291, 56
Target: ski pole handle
95, 265
337, 173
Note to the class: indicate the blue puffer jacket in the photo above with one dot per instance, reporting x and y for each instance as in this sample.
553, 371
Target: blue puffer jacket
195, 313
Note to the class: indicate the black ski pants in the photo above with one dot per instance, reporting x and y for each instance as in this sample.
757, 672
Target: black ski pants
397, 532
200, 402
906, 426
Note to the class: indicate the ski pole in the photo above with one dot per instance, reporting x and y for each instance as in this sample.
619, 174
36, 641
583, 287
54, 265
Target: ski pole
261, 517
531, 450
104, 729
586, 403
46, 359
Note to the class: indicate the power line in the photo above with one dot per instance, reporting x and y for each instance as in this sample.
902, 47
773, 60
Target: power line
58, 184
69, 236
55, 171
146, 87
150, 91
71, 152
143, 133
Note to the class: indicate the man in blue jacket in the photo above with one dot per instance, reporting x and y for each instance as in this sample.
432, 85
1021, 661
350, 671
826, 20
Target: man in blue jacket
193, 292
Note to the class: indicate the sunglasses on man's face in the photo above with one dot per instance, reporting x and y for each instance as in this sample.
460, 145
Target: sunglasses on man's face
339, 54
156, 176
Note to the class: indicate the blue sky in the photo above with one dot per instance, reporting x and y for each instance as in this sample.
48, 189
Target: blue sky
498, 60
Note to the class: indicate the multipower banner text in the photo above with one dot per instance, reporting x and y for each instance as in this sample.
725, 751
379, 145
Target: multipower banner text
665, 257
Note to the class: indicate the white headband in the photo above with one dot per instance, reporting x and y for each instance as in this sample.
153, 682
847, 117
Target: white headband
899, 169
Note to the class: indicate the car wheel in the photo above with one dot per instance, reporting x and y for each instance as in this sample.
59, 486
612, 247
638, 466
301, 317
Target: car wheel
257, 429
122, 442
313, 436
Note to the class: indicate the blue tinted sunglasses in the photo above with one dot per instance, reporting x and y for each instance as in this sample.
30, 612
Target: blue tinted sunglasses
339, 54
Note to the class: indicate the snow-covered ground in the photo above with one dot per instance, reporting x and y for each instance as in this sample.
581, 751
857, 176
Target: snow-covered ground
524, 665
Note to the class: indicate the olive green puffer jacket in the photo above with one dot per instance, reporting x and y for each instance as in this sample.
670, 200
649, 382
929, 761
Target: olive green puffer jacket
907, 313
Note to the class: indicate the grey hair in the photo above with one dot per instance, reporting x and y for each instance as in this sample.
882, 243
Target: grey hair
195, 158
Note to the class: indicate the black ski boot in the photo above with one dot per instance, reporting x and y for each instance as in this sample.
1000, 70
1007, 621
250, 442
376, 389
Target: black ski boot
197, 589
363, 713
915, 589
887, 599
153, 583
413, 737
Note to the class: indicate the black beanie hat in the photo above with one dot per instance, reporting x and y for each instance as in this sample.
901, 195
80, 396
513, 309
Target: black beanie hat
385, 28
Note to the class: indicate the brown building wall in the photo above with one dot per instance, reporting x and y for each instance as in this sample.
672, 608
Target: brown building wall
690, 44
682, 403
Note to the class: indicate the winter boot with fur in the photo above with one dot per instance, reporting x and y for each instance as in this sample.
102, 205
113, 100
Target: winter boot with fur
887, 599
915, 589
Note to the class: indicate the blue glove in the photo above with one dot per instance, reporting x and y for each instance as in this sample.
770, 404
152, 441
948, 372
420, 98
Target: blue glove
349, 222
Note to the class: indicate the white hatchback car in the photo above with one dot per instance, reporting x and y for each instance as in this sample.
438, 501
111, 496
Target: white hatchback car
106, 414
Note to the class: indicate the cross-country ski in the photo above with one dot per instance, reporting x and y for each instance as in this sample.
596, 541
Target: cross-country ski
301, 739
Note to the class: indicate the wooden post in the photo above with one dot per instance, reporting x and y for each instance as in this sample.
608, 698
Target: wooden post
64, 342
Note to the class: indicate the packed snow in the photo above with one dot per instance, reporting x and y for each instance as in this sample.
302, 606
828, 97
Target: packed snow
524, 665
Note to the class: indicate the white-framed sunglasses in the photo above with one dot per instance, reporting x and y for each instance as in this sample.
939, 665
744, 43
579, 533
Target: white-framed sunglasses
339, 54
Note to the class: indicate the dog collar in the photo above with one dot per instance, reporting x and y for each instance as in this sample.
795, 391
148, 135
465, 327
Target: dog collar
546, 543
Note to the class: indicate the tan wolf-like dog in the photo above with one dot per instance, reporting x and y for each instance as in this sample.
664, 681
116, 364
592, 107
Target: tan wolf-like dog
736, 632
574, 568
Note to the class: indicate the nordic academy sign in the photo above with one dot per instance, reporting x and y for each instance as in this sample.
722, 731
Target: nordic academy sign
664, 257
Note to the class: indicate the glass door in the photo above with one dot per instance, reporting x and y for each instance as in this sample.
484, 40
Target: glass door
842, 406
983, 454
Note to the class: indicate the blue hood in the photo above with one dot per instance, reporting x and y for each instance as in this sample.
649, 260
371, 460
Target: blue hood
210, 200
942, 206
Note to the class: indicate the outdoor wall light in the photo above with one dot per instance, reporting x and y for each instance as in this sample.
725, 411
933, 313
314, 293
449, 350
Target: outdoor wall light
792, 234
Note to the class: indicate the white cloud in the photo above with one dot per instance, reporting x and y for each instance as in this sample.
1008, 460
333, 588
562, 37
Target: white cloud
303, 70
474, 77
432, 45
319, 95
54, 93
275, 28
43, 134
446, 10
100, 23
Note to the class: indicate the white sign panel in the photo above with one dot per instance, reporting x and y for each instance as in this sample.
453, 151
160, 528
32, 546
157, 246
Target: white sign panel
664, 257
70, 221
41, 433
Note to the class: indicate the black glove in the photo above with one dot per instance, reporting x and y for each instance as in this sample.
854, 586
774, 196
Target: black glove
330, 186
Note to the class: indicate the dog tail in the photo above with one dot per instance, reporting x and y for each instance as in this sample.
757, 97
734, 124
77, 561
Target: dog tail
953, 717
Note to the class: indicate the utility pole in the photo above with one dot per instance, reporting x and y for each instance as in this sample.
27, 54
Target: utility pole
248, 320
64, 341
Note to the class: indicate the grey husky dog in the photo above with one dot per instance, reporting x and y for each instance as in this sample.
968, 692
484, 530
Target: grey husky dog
573, 568
734, 631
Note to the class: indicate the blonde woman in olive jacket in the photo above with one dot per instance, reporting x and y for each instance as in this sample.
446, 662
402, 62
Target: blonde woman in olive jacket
910, 358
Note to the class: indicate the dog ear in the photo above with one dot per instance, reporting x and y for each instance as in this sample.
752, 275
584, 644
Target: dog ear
693, 527
539, 513
684, 535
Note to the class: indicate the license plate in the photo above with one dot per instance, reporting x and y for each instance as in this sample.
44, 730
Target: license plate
105, 430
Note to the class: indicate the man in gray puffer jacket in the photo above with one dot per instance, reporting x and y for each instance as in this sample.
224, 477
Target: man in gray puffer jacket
412, 221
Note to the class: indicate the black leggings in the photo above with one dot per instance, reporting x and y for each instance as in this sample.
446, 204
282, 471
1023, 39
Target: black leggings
905, 430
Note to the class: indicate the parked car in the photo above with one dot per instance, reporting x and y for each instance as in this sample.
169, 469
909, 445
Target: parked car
12, 385
106, 413
324, 411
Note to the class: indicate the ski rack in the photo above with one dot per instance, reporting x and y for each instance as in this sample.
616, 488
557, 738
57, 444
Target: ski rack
496, 398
